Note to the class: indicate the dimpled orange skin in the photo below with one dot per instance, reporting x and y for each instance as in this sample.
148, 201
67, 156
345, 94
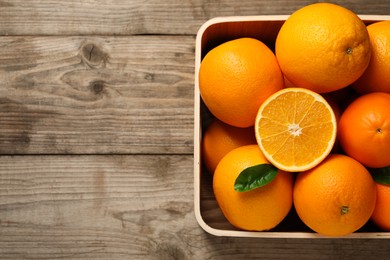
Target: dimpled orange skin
323, 47
364, 130
376, 76
236, 77
220, 138
259, 209
335, 198
381, 214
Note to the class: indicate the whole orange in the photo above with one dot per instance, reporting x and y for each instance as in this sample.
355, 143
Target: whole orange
381, 214
260, 209
376, 77
236, 77
323, 47
364, 130
220, 138
335, 198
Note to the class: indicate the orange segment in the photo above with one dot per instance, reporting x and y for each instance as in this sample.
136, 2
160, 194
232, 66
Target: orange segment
295, 129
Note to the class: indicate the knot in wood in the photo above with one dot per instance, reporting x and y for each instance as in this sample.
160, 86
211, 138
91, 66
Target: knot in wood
97, 86
27, 139
93, 55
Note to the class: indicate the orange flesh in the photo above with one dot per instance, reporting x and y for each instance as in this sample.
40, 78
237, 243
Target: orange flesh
296, 129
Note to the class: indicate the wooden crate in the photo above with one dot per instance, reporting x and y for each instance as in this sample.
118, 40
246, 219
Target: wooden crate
208, 214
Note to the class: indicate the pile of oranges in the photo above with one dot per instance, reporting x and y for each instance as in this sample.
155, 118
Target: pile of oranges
303, 124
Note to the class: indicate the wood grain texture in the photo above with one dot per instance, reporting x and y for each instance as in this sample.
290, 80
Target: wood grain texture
93, 95
118, 17
128, 207
95, 206
96, 133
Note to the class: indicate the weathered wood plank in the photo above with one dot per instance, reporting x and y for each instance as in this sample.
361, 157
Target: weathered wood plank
118, 17
93, 95
100, 206
128, 207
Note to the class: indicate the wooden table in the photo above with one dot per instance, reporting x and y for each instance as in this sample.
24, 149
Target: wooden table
96, 133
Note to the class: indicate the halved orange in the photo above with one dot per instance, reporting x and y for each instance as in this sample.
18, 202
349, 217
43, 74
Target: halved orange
295, 129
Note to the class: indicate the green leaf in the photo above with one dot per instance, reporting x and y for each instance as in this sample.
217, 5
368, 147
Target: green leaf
381, 175
255, 176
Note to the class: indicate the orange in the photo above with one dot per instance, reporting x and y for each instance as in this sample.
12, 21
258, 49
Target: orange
260, 209
364, 130
220, 138
335, 198
295, 129
376, 77
332, 101
236, 77
323, 47
381, 214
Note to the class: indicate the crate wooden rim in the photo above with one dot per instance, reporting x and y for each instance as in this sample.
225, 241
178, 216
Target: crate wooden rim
198, 133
